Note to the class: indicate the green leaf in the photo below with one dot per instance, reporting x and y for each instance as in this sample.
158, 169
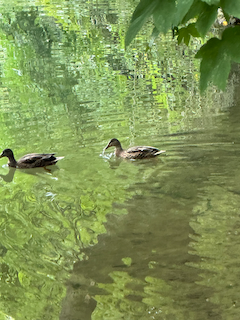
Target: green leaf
212, 2
185, 33
232, 7
215, 65
182, 8
231, 42
169, 13
143, 11
163, 15
187, 39
195, 9
206, 18
181, 34
193, 30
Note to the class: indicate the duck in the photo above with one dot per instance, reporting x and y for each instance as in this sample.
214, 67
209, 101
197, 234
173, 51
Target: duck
138, 152
31, 160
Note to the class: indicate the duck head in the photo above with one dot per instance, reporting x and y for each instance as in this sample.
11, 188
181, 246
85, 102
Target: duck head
114, 143
6, 153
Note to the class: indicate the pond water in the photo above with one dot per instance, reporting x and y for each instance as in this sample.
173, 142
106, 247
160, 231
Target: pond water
96, 237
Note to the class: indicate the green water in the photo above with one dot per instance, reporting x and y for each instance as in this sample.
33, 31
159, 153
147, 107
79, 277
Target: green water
96, 237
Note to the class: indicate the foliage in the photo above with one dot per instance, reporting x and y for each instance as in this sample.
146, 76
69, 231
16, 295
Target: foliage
217, 56
194, 18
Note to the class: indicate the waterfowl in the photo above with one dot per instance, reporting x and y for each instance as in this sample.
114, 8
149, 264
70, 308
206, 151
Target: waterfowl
138, 152
31, 160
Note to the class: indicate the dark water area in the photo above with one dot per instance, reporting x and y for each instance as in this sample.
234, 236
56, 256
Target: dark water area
96, 237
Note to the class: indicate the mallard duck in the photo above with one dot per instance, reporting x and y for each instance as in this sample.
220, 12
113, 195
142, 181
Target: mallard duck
138, 152
31, 160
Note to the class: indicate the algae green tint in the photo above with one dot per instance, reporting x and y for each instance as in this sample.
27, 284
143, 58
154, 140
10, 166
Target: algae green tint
98, 237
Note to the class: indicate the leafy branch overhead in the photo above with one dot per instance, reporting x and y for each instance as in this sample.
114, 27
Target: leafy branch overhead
194, 18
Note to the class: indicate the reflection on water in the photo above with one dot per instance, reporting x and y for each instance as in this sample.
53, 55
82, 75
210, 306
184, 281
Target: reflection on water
8, 177
149, 239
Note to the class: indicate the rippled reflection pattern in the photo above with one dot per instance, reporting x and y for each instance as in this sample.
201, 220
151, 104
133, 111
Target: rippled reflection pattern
97, 237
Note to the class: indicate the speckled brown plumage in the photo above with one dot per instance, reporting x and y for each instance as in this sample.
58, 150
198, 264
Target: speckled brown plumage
32, 160
138, 152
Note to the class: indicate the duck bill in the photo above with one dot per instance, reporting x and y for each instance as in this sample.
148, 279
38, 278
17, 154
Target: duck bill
108, 146
1, 155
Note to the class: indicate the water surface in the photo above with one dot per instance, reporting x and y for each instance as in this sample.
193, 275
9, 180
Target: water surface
102, 238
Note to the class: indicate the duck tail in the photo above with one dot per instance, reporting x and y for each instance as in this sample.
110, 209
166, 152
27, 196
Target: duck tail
59, 158
159, 152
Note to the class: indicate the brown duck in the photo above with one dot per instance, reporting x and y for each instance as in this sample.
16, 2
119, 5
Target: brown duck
138, 152
31, 160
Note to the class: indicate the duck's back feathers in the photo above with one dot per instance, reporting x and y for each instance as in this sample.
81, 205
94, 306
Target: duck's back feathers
141, 152
34, 160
